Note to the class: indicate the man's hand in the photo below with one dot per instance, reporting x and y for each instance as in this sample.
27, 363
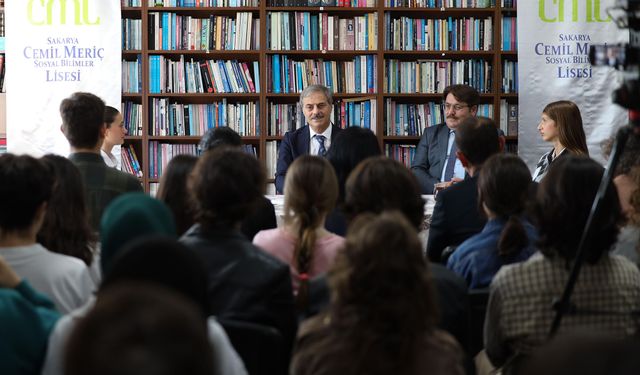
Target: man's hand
443, 185
8, 277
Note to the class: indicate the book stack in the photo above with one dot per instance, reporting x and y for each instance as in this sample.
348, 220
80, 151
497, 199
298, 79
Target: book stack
129, 161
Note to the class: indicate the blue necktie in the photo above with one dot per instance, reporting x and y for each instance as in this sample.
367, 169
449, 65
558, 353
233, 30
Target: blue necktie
322, 151
451, 161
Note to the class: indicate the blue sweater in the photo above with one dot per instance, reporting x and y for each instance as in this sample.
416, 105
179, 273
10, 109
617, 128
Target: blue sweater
26, 320
477, 259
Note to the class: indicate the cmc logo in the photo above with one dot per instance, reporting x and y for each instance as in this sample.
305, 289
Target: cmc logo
580, 10
48, 12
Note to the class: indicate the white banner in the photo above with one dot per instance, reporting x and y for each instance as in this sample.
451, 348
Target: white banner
553, 46
53, 49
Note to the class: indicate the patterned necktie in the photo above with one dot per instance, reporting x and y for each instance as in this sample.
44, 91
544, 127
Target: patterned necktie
451, 163
322, 151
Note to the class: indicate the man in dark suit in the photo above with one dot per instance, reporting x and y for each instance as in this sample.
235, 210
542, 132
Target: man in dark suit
435, 159
456, 216
313, 138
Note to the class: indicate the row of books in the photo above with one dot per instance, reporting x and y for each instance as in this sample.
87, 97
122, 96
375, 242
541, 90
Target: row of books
131, 3
129, 161
171, 31
3, 146
410, 119
202, 76
355, 76
440, 3
509, 77
131, 34
432, 76
509, 3
132, 117
177, 119
509, 34
417, 34
161, 153
401, 153
132, 76
508, 117
307, 31
345, 113
322, 3
203, 3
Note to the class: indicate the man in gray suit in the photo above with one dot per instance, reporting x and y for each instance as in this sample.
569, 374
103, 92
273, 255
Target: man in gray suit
435, 159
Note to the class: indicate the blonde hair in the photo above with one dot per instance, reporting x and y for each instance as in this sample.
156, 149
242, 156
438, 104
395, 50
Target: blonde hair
311, 190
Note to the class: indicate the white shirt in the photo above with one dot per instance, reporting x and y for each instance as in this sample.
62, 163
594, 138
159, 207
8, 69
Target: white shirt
314, 145
458, 169
109, 159
64, 279
225, 358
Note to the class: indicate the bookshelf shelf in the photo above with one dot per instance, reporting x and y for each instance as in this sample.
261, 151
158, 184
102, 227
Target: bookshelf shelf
260, 108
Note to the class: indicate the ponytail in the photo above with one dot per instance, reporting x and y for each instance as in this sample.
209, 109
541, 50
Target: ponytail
303, 255
513, 238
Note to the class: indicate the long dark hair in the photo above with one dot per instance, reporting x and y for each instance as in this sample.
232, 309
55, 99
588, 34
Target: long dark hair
311, 189
66, 228
503, 187
173, 191
563, 203
568, 120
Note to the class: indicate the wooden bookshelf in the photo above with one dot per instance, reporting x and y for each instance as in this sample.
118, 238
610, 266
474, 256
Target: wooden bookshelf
494, 57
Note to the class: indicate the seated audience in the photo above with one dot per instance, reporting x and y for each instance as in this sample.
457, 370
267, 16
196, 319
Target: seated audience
375, 326
508, 237
140, 329
83, 125
310, 191
456, 216
26, 319
162, 261
561, 125
607, 291
245, 283
66, 229
23, 205
378, 184
350, 147
173, 190
263, 216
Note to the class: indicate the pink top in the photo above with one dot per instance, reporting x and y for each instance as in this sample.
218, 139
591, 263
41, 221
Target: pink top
280, 244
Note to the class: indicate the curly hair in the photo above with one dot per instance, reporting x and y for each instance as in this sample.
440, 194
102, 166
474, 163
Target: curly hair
383, 303
563, 203
225, 185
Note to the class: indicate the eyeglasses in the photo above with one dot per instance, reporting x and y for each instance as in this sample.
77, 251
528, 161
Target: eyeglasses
455, 107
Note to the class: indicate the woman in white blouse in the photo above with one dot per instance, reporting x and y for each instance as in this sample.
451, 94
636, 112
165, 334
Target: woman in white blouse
113, 136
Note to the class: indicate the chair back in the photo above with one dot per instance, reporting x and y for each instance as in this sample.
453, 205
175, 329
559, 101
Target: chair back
478, 299
259, 346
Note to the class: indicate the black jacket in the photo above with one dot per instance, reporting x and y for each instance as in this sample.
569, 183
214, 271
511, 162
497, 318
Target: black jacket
245, 283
